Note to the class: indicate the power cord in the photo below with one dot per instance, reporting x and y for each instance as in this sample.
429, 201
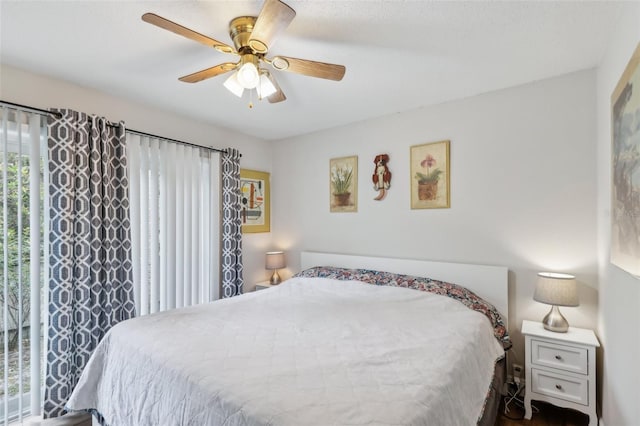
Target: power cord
515, 398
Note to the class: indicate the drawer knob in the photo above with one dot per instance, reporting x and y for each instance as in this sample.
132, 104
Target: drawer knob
558, 357
559, 387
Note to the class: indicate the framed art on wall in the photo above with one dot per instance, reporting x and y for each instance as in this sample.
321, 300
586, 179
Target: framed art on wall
255, 201
343, 184
430, 176
625, 166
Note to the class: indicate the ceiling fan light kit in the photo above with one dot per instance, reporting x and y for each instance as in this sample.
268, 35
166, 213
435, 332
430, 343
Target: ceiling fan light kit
233, 85
252, 38
266, 86
248, 75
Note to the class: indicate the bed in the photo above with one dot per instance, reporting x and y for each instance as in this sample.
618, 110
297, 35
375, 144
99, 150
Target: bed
341, 343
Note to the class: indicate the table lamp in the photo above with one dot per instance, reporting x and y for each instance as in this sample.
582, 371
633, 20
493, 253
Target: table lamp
556, 290
275, 261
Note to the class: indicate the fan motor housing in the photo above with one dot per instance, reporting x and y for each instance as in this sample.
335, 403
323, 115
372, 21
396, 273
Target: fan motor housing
240, 29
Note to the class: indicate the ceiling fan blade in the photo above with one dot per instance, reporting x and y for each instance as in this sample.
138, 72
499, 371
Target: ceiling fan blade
309, 68
274, 17
166, 24
279, 95
209, 72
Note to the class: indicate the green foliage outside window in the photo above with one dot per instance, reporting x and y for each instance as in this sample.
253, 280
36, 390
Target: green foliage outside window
16, 259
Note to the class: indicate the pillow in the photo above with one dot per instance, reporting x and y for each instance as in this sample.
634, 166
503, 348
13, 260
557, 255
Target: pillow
454, 291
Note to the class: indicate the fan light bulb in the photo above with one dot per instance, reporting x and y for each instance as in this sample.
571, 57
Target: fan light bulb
233, 85
248, 76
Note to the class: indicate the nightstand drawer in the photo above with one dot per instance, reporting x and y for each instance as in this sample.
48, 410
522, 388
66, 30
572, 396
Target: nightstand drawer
563, 357
562, 387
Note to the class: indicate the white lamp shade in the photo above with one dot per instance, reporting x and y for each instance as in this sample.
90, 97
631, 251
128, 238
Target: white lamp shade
248, 76
556, 289
266, 87
275, 260
233, 85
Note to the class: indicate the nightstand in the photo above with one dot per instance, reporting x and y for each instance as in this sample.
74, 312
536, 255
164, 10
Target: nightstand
263, 285
560, 368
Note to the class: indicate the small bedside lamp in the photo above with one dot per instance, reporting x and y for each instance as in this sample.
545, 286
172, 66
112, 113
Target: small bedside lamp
275, 261
556, 290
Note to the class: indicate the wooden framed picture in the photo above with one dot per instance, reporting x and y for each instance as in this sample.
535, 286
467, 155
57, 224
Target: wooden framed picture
625, 166
430, 176
255, 201
343, 184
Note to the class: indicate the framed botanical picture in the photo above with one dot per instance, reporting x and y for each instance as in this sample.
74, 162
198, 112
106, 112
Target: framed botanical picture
625, 167
255, 201
343, 184
430, 176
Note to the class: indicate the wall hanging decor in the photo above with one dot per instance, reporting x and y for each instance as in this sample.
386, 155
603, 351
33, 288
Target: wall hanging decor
430, 176
255, 201
343, 184
381, 176
625, 159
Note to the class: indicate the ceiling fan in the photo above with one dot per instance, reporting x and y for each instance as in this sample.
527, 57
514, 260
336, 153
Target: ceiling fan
252, 38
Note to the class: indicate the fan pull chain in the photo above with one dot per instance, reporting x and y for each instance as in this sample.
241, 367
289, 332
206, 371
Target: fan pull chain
250, 99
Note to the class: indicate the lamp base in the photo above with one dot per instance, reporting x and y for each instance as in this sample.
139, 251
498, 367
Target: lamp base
554, 321
275, 278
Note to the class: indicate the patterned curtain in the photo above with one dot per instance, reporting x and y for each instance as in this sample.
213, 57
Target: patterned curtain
231, 225
90, 284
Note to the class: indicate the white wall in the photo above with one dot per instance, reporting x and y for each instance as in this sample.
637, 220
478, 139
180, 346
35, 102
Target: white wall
523, 193
619, 321
523, 190
43, 92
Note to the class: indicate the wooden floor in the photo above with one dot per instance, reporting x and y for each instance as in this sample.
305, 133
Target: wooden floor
76, 419
548, 415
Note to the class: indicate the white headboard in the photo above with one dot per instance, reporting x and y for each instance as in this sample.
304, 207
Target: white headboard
488, 282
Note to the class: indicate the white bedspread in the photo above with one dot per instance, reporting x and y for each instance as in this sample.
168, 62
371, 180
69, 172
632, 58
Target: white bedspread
311, 351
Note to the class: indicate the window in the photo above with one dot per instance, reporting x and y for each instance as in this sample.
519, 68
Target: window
23, 171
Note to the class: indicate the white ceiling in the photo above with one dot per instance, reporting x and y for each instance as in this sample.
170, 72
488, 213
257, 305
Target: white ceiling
400, 55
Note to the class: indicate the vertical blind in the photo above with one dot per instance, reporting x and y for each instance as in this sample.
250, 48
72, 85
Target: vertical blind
175, 217
24, 175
